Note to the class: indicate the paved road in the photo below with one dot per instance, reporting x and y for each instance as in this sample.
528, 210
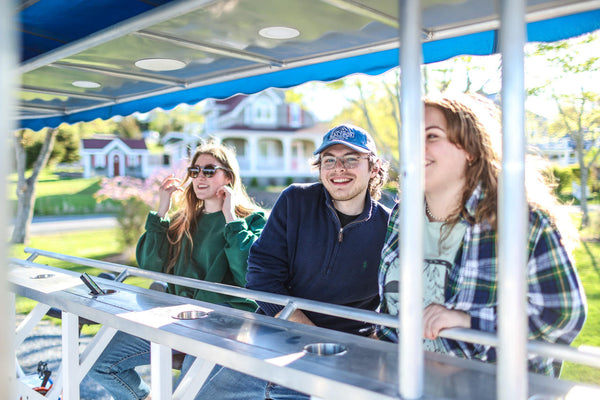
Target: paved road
48, 225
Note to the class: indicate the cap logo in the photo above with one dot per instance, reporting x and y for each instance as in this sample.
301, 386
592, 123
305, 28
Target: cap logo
341, 133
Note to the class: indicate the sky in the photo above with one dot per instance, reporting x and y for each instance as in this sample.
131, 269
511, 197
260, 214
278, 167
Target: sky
326, 103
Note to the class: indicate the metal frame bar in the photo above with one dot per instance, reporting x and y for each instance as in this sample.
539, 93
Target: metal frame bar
158, 79
568, 353
160, 371
70, 355
411, 175
247, 346
210, 48
533, 14
8, 86
512, 210
363, 10
155, 16
53, 92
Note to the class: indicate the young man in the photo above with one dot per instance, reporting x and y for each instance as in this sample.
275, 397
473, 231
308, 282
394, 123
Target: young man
322, 242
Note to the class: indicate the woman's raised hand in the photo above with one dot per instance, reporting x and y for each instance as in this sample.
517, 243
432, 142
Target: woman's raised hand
168, 186
227, 195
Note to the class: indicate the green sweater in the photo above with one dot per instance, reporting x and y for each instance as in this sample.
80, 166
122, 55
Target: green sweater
220, 254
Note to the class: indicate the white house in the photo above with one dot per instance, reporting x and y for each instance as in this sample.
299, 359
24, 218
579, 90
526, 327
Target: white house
561, 151
179, 145
108, 155
274, 140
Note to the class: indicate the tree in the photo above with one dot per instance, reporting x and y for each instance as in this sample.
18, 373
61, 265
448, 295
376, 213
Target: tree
374, 106
26, 186
578, 115
375, 101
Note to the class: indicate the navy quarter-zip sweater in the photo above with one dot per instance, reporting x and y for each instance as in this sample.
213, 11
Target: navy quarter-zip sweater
304, 252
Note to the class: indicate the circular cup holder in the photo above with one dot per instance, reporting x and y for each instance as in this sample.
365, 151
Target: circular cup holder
42, 276
106, 291
325, 349
194, 314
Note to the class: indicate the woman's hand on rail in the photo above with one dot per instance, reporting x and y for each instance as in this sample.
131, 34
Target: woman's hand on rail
168, 186
437, 317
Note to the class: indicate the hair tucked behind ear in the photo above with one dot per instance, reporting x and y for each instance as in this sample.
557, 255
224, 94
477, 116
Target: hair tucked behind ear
187, 217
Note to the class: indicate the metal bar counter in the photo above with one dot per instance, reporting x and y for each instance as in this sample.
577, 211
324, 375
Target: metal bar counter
276, 350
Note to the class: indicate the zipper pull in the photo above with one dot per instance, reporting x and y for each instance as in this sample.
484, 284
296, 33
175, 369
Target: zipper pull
340, 235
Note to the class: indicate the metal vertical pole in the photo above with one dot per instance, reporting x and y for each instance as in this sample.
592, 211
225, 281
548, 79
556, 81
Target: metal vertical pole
512, 210
70, 356
410, 246
161, 364
8, 79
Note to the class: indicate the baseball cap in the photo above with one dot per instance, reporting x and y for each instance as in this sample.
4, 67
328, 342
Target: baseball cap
349, 135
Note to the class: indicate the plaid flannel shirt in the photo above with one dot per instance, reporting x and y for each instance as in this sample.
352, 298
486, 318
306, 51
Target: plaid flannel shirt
556, 305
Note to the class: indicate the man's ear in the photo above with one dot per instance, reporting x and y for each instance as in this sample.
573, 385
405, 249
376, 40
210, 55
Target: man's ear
376, 167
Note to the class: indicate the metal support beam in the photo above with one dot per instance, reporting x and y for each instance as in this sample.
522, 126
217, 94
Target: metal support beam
8, 86
70, 355
512, 210
410, 246
160, 373
149, 18
211, 48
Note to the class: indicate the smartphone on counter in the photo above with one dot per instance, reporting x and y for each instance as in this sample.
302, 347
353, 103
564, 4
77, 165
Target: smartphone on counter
90, 283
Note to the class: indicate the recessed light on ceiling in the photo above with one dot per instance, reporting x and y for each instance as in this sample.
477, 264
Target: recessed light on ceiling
86, 84
279, 32
159, 64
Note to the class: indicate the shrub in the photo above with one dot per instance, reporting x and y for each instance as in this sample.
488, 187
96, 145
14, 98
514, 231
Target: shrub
136, 197
563, 177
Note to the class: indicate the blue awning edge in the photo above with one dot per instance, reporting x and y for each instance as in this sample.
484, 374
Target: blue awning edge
483, 43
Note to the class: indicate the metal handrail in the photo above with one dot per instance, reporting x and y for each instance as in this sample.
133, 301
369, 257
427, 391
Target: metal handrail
564, 352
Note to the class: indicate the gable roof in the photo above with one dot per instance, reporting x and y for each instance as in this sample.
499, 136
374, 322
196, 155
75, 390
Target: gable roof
101, 143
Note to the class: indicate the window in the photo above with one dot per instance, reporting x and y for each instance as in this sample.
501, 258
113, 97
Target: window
294, 115
239, 145
262, 112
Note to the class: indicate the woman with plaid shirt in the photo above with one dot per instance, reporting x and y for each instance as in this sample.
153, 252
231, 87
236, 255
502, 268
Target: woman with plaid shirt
460, 266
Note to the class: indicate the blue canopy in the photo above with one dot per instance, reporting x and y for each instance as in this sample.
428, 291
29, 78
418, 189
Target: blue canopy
83, 60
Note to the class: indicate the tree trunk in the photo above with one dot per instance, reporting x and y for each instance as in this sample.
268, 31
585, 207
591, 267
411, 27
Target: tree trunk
26, 186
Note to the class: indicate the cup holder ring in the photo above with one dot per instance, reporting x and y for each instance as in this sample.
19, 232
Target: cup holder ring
192, 314
41, 276
325, 349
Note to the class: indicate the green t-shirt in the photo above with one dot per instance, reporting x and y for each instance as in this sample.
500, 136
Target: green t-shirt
219, 254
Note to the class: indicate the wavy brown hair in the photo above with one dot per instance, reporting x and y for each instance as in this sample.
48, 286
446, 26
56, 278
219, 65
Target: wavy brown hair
473, 124
467, 131
185, 220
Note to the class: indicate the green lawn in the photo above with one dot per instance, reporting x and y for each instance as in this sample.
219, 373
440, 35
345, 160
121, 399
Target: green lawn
97, 245
60, 196
588, 264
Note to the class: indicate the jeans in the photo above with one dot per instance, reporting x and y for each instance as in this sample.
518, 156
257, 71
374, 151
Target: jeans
227, 384
114, 369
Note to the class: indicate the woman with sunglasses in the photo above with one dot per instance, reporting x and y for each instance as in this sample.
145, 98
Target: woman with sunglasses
208, 238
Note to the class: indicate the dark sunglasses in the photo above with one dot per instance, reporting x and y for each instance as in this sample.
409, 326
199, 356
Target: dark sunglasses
208, 170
